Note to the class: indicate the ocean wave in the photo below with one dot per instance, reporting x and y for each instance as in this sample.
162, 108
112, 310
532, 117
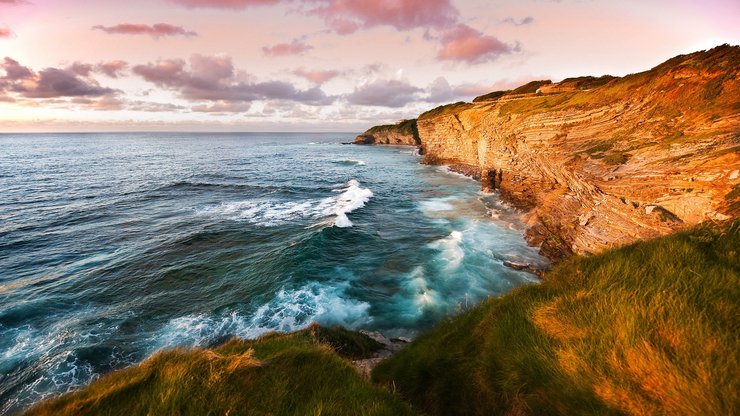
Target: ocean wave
289, 310
352, 198
268, 213
446, 169
355, 162
437, 205
451, 250
52, 359
271, 212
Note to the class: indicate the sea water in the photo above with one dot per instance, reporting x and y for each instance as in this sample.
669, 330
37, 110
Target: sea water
114, 246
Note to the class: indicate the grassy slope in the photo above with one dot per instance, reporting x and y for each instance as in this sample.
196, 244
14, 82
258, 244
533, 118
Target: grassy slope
651, 328
406, 127
287, 374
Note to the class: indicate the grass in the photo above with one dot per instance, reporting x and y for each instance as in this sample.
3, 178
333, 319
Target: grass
491, 96
301, 373
454, 108
530, 87
650, 328
406, 127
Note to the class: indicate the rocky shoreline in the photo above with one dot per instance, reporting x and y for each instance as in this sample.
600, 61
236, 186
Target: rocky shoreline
597, 163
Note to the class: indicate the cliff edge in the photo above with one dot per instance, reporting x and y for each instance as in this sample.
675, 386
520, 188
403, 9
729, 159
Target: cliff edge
404, 132
601, 162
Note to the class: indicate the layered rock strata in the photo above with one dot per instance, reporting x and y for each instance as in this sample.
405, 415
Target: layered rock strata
602, 162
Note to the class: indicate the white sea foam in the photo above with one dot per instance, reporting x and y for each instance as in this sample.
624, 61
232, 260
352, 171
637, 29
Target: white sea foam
353, 197
270, 213
451, 250
446, 169
436, 205
289, 310
267, 212
59, 368
351, 162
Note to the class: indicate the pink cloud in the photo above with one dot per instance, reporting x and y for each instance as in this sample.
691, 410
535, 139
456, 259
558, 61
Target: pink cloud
214, 79
316, 76
463, 43
112, 68
347, 16
5, 33
296, 47
49, 82
225, 4
13, 2
14, 71
81, 69
384, 93
157, 30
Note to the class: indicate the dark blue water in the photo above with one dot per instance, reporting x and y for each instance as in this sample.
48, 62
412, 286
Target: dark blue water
113, 246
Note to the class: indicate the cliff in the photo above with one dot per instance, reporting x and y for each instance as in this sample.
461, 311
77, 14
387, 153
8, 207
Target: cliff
602, 162
402, 133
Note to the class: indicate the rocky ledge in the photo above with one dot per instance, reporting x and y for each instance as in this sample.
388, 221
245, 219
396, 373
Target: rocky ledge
598, 162
402, 133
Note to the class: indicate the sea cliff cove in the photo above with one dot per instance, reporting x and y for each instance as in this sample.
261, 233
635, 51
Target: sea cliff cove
346, 207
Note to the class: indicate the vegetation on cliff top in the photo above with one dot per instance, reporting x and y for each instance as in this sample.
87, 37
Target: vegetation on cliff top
650, 328
405, 127
300, 373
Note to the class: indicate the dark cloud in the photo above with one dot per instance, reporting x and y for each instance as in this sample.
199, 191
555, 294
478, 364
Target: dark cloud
384, 93
14, 71
213, 78
157, 30
49, 82
53, 82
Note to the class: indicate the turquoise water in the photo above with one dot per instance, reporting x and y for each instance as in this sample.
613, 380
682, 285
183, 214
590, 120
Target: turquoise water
113, 246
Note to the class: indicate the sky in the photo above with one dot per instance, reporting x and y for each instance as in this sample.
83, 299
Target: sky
316, 65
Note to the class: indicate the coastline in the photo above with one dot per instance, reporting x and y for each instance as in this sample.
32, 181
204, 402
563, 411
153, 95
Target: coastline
598, 163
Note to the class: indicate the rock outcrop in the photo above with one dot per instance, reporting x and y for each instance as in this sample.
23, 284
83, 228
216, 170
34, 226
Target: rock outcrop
402, 133
602, 162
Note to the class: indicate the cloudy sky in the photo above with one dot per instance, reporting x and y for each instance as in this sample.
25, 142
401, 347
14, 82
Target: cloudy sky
316, 65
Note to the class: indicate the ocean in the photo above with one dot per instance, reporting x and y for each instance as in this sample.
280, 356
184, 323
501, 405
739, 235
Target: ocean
114, 246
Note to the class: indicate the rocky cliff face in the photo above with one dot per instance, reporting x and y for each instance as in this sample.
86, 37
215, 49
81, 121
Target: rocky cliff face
402, 133
602, 164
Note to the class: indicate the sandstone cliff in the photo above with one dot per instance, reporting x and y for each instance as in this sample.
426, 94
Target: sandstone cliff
402, 133
602, 162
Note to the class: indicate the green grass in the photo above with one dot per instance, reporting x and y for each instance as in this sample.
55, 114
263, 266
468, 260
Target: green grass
301, 373
454, 109
491, 96
650, 328
530, 87
406, 127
